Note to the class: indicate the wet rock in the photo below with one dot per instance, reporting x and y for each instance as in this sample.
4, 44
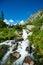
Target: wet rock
13, 42
32, 63
28, 61
29, 49
25, 64
27, 31
15, 55
19, 39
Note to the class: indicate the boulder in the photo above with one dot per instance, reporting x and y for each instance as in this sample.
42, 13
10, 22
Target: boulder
13, 42
28, 61
28, 49
25, 64
15, 55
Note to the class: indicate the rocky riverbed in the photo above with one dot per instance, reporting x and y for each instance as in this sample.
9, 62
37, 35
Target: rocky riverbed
18, 52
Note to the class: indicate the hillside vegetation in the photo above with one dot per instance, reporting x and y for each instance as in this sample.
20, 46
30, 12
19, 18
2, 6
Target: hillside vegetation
8, 32
37, 37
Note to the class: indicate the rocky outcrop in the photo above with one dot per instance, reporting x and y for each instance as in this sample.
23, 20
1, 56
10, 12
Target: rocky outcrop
36, 16
29, 27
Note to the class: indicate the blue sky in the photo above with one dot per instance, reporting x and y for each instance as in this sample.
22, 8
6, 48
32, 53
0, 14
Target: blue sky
18, 10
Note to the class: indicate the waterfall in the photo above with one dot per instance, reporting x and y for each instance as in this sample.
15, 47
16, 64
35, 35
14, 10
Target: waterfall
22, 50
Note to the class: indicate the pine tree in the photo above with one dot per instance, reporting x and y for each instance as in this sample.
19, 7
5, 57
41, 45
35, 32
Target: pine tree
2, 15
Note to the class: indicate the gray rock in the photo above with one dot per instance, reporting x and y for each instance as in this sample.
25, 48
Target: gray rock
15, 55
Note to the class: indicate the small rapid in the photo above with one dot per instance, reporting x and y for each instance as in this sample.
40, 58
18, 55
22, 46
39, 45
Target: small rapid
8, 42
21, 49
4, 60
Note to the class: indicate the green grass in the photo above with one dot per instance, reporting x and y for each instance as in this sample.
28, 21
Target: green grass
10, 32
37, 38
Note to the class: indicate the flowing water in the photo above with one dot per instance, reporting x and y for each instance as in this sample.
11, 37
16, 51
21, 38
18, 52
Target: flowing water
4, 60
8, 42
21, 49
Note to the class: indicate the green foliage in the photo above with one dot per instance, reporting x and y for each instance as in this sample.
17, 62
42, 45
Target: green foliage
25, 25
37, 37
18, 27
2, 24
2, 15
7, 33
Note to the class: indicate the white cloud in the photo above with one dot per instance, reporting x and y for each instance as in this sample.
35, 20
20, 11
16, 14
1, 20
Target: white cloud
15, 24
21, 22
6, 21
11, 20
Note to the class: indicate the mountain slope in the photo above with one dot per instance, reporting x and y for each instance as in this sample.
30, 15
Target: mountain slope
37, 36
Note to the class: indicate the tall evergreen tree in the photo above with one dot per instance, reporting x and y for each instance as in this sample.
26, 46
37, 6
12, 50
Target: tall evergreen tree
2, 15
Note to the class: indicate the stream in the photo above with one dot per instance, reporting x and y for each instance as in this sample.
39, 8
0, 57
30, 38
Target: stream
21, 49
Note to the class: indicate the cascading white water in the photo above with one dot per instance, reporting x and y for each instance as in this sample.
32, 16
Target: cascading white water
4, 59
7, 55
8, 42
22, 50
24, 34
